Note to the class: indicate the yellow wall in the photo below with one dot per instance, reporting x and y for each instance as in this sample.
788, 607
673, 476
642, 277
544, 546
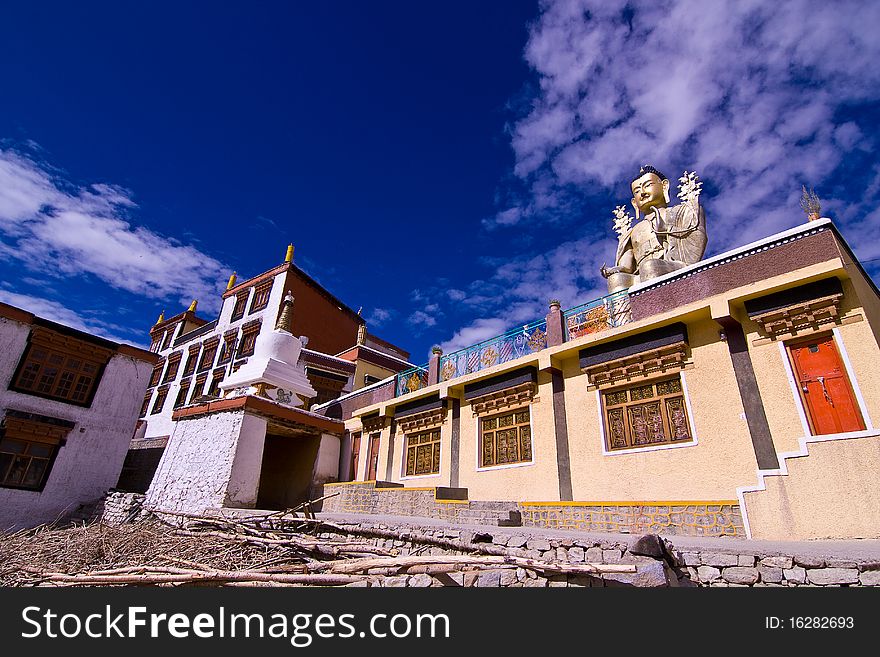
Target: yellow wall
710, 470
832, 493
363, 367
533, 482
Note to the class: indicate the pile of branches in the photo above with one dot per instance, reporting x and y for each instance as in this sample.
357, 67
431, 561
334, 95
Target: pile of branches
170, 549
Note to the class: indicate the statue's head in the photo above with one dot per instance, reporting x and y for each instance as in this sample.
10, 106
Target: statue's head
650, 189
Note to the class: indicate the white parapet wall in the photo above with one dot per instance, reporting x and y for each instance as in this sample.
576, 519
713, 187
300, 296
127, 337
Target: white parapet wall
211, 461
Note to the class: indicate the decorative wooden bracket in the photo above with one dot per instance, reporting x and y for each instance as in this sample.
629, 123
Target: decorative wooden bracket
515, 396
799, 316
375, 423
638, 365
417, 421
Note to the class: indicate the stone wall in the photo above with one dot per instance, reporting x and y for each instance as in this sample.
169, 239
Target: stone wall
729, 569
119, 507
658, 561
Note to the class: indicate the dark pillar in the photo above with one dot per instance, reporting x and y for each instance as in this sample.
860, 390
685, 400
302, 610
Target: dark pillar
556, 333
563, 461
455, 443
759, 429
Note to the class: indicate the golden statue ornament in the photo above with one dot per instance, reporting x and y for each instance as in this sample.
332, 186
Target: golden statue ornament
664, 238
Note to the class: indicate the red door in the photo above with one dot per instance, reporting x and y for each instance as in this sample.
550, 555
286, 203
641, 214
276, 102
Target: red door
825, 389
355, 454
373, 457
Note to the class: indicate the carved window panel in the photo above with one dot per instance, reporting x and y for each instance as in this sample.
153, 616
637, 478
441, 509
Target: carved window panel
506, 438
173, 366
423, 453
261, 296
646, 415
240, 303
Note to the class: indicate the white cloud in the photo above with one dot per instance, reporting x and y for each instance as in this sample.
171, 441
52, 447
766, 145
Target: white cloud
55, 228
378, 316
57, 312
747, 93
421, 319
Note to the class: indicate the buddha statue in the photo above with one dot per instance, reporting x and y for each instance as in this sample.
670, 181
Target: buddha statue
664, 238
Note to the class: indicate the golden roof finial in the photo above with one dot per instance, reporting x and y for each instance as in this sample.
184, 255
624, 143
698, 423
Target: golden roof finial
810, 204
161, 318
193, 306
231, 283
285, 317
289, 256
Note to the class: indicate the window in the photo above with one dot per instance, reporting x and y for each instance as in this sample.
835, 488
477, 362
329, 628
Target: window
157, 373
154, 345
173, 366
159, 404
261, 296
228, 346
216, 379
56, 374
506, 438
208, 353
646, 414
198, 386
24, 463
240, 302
249, 334
191, 360
423, 453
27, 450
146, 405
168, 335
181, 394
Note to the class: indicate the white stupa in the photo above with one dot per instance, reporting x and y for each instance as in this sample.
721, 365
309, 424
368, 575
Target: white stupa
275, 370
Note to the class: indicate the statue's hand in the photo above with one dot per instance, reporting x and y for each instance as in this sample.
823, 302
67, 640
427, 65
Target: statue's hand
607, 271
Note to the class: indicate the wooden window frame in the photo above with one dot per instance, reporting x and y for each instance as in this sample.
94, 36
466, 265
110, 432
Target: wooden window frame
35, 435
241, 300
491, 432
248, 342
260, 300
227, 346
415, 442
145, 407
622, 409
182, 394
161, 397
217, 377
156, 374
60, 368
208, 347
173, 367
166, 341
198, 387
192, 360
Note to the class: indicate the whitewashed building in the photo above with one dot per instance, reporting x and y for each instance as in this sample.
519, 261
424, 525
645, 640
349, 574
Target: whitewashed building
69, 402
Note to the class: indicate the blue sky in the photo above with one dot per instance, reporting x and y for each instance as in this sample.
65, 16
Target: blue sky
447, 167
